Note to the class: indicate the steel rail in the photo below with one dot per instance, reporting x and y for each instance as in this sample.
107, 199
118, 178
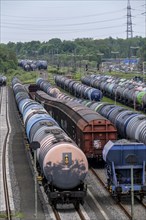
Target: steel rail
103, 184
6, 191
56, 213
80, 214
139, 200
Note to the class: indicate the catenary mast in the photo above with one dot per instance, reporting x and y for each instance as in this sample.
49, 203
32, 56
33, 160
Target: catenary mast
129, 21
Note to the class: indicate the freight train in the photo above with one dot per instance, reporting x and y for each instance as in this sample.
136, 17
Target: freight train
3, 80
61, 163
87, 128
129, 92
78, 89
122, 156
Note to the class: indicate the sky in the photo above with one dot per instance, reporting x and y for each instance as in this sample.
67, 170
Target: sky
42, 20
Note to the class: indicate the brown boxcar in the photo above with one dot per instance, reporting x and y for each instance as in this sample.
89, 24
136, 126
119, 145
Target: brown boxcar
87, 128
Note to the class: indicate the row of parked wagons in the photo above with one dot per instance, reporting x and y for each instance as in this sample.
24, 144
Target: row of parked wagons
32, 65
127, 91
129, 123
78, 89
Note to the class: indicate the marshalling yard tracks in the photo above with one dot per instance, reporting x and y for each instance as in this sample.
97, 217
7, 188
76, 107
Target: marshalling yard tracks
6, 203
139, 207
106, 212
60, 213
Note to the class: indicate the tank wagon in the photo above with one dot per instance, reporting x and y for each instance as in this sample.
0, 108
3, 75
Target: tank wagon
61, 163
3, 80
120, 157
78, 89
126, 91
87, 128
42, 64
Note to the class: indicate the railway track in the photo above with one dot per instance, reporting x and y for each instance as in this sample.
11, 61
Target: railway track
141, 202
77, 213
103, 184
8, 214
139, 207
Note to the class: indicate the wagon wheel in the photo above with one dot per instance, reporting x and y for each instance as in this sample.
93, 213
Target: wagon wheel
119, 198
141, 197
77, 205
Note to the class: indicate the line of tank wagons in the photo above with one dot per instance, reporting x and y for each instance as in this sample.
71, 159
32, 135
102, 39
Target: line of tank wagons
78, 89
61, 163
127, 91
130, 125
32, 65
3, 80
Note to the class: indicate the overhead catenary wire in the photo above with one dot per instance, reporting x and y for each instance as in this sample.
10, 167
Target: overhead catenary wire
62, 18
36, 25
71, 31
64, 25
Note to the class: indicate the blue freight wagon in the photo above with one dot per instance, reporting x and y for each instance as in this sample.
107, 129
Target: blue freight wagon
117, 156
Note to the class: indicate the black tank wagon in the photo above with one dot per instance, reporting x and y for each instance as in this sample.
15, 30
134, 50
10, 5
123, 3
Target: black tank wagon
3, 80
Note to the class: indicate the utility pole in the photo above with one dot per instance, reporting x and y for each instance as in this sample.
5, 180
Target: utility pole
35, 145
131, 159
116, 53
100, 55
145, 18
129, 21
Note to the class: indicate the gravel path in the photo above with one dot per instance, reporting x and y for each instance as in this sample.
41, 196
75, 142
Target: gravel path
108, 205
22, 179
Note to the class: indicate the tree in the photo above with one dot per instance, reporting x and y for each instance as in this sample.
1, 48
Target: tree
8, 59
